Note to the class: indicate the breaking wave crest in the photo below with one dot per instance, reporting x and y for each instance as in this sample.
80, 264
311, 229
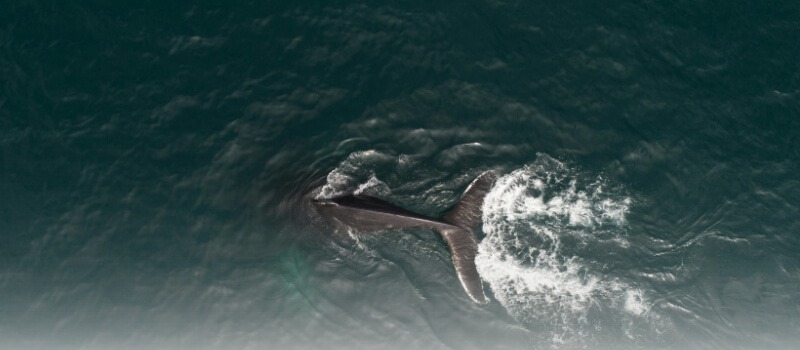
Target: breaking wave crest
544, 224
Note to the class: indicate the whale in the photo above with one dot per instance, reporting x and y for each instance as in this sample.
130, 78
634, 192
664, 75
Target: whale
363, 213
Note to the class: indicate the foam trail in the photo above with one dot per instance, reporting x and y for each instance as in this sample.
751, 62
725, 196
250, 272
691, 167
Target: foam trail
538, 221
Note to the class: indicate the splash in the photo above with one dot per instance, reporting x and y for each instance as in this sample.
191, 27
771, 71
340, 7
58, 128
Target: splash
541, 222
355, 174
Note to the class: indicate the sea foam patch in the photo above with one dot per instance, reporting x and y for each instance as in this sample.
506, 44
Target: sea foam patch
539, 221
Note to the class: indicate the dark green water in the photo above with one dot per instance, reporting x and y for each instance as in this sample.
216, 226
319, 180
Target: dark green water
156, 161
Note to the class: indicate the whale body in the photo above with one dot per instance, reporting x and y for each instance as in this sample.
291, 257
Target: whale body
369, 214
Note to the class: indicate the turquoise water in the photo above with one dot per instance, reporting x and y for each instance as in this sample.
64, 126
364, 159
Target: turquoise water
156, 162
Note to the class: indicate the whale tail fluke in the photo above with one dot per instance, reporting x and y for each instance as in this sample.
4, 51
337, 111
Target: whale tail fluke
467, 211
466, 216
369, 214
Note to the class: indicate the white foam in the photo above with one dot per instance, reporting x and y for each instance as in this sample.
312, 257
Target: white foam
634, 302
371, 185
539, 280
334, 185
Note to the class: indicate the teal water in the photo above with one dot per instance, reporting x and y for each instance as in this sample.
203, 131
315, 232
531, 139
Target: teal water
156, 162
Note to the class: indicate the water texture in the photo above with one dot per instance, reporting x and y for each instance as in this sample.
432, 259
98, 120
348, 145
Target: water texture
157, 160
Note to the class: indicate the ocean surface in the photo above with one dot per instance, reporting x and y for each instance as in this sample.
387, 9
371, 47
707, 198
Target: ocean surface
157, 160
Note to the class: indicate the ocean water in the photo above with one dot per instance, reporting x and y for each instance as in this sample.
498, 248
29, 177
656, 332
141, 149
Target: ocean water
157, 161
